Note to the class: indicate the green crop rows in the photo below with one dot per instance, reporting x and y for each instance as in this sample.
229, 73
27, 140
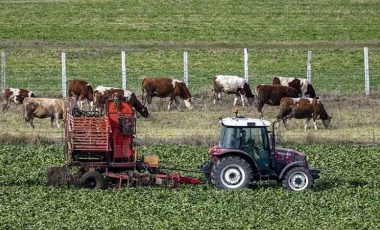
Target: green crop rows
346, 197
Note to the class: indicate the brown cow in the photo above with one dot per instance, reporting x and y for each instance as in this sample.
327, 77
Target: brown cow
272, 95
43, 108
303, 86
166, 87
82, 91
232, 85
16, 96
102, 94
301, 108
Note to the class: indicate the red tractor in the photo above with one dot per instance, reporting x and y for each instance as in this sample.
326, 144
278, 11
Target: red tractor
99, 151
247, 153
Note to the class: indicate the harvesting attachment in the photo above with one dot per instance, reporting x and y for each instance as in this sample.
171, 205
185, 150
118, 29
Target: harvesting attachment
99, 152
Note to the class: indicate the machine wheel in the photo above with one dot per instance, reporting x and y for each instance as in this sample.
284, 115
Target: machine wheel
231, 173
297, 179
93, 180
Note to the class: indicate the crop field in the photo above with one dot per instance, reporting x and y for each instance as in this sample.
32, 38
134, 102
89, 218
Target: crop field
154, 34
346, 197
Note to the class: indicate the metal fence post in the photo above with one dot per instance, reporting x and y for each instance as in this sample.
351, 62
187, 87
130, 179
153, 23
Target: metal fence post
246, 64
63, 59
185, 69
308, 71
366, 71
123, 70
3, 71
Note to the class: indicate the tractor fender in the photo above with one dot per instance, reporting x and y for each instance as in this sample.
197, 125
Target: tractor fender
291, 165
240, 153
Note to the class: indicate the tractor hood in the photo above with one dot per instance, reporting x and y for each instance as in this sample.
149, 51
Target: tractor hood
289, 155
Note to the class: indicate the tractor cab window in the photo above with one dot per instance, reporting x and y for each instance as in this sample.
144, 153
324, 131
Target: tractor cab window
229, 137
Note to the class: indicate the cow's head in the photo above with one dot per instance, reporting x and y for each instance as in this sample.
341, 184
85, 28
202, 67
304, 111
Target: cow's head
189, 103
326, 122
144, 112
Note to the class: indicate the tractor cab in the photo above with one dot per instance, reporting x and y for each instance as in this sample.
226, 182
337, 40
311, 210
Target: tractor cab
248, 135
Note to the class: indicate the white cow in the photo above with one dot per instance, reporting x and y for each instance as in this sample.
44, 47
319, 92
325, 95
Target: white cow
232, 85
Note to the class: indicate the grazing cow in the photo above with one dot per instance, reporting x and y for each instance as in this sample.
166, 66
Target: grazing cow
303, 86
232, 85
272, 95
301, 108
166, 87
16, 96
43, 108
82, 91
102, 94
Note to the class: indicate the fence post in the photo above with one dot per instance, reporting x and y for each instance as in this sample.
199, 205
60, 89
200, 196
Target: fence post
246, 64
308, 71
2, 71
63, 59
185, 70
123, 70
366, 71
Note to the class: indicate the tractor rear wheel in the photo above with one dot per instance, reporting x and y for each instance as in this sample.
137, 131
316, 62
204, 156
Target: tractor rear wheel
93, 180
297, 179
231, 173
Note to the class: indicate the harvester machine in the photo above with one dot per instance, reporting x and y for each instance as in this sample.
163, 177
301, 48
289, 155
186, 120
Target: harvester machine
99, 152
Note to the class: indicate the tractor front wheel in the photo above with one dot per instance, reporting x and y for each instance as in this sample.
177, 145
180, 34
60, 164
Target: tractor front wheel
297, 179
93, 180
231, 173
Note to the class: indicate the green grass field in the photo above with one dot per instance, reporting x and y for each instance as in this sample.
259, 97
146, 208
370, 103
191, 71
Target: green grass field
347, 196
154, 34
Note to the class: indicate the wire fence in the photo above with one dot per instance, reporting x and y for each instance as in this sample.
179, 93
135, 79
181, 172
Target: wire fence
333, 71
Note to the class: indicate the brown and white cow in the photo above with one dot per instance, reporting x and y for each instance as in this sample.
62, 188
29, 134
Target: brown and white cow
272, 95
15, 95
302, 85
166, 87
82, 91
43, 108
102, 94
303, 108
232, 85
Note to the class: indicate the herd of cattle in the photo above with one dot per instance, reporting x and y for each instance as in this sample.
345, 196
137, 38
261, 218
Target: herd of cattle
295, 97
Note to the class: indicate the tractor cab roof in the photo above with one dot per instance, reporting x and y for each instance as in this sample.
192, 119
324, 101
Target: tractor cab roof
240, 121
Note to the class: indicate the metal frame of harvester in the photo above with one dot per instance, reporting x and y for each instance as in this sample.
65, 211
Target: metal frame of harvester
99, 152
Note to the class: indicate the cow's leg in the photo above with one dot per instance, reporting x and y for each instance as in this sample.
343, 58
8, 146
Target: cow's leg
242, 99
177, 103
31, 122
315, 124
307, 121
215, 96
57, 119
235, 99
5, 104
285, 122
149, 99
170, 103
51, 121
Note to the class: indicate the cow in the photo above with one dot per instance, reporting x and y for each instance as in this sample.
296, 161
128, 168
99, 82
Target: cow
16, 96
102, 94
166, 87
302, 85
272, 95
303, 108
82, 91
43, 108
232, 85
